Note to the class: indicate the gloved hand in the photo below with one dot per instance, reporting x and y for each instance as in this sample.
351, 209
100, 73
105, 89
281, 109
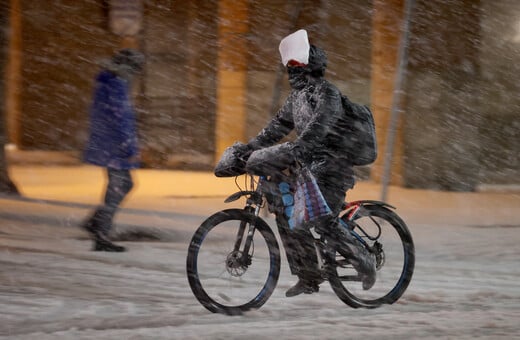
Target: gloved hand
301, 154
242, 151
233, 161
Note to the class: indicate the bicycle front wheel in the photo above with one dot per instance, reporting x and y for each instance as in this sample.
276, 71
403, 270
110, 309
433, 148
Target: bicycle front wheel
390, 240
233, 262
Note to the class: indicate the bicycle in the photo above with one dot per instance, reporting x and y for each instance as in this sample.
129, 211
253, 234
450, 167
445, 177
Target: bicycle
233, 261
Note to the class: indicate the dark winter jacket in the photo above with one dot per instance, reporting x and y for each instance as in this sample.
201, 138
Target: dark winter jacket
113, 137
313, 112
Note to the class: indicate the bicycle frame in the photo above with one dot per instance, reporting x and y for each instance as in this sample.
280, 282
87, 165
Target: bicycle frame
256, 199
333, 262
254, 203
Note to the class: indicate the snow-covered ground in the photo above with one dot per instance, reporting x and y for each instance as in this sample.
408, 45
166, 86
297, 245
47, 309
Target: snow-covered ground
465, 283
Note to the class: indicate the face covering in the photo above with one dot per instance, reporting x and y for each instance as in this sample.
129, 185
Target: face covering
297, 77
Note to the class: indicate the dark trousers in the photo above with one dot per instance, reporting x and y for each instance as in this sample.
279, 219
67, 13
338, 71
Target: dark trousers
299, 243
118, 186
334, 177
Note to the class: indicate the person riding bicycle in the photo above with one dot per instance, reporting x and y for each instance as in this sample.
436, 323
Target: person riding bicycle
312, 110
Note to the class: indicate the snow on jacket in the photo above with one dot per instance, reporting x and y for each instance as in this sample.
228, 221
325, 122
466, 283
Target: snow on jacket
112, 140
312, 112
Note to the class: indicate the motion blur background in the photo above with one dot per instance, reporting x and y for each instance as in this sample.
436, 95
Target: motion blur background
213, 76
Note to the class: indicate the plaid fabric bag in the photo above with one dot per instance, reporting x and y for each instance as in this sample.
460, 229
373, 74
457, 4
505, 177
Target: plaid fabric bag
309, 204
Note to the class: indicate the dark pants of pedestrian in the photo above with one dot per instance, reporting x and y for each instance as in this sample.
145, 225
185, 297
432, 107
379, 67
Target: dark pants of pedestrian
334, 177
119, 185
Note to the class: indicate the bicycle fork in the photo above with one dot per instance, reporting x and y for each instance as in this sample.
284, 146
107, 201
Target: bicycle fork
244, 239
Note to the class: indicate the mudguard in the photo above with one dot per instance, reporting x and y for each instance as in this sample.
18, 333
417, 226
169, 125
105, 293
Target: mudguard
368, 202
355, 207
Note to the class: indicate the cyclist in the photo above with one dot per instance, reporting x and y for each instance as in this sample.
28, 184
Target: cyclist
312, 110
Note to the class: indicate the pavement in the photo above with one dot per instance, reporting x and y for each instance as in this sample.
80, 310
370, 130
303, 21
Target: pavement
73, 190
53, 287
160, 201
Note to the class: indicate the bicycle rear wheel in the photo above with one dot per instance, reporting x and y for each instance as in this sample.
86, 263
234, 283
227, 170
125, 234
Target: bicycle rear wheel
388, 236
225, 275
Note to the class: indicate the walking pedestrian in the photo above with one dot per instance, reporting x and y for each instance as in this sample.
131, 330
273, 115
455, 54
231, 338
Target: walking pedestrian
112, 142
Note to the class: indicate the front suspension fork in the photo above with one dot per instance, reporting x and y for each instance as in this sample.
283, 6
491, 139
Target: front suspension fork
245, 235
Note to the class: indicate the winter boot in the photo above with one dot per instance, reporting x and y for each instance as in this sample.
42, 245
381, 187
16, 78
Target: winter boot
102, 243
363, 261
88, 226
304, 286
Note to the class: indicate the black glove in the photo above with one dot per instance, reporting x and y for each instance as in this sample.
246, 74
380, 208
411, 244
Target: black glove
242, 151
301, 154
233, 161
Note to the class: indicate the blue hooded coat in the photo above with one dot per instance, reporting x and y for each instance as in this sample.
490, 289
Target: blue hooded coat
112, 140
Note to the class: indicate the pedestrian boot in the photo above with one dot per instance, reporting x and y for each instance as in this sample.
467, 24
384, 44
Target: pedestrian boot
102, 243
88, 226
109, 247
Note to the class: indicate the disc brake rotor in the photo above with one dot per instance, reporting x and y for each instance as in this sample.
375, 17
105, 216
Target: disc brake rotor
235, 264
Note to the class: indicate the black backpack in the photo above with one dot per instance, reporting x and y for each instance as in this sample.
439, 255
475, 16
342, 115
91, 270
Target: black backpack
358, 133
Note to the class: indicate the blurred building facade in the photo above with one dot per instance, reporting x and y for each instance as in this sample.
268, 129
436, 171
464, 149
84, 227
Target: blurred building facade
213, 76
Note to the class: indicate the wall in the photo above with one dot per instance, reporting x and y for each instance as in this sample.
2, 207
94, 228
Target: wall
177, 119
441, 137
462, 116
499, 102
61, 45
462, 105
